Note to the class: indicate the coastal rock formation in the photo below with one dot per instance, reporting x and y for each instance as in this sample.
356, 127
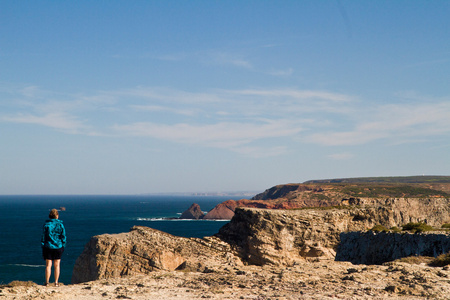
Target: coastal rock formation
287, 237
193, 213
254, 236
325, 193
377, 248
143, 250
222, 211
433, 211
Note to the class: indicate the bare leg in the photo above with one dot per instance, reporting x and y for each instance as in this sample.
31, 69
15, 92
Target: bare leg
57, 270
48, 270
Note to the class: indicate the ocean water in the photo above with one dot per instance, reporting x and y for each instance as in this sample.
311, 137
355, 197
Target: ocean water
22, 218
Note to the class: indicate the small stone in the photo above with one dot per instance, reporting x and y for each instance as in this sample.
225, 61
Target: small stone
391, 289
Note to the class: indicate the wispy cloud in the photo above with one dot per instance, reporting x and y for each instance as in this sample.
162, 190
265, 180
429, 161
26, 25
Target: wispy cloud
58, 121
341, 156
242, 120
261, 152
221, 135
281, 73
164, 109
226, 58
396, 122
296, 94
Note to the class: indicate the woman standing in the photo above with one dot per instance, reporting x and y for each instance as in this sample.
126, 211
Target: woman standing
53, 242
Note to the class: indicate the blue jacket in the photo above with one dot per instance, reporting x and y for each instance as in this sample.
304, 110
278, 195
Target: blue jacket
54, 235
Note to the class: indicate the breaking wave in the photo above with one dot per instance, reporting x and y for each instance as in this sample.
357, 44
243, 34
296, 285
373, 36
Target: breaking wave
176, 219
25, 265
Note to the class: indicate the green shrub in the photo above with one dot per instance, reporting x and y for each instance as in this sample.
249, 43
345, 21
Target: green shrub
441, 261
379, 228
395, 229
446, 226
416, 260
417, 227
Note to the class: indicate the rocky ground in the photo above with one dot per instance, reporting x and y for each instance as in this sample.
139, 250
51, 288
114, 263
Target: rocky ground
319, 279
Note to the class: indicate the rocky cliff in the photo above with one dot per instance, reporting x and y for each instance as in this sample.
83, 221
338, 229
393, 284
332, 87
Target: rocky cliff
143, 250
332, 192
377, 248
288, 236
254, 236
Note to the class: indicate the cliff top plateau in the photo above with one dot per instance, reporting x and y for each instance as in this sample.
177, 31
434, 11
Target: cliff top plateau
331, 192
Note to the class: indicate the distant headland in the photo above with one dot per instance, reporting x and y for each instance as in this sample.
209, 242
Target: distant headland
329, 192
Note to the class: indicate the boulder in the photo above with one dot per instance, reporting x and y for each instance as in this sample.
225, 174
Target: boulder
143, 250
193, 213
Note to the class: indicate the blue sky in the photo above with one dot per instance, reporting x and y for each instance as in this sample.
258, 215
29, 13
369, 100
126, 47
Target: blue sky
130, 97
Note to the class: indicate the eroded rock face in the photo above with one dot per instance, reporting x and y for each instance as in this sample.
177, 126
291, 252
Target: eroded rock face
253, 236
287, 236
290, 236
378, 248
143, 250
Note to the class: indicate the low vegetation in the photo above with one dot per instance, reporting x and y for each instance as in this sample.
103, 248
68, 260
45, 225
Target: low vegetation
441, 261
416, 260
392, 191
379, 228
393, 179
395, 229
417, 227
411, 227
346, 207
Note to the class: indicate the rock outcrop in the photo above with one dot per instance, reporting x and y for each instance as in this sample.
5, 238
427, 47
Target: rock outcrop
143, 250
253, 236
193, 213
331, 193
222, 211
289, 236
377, 248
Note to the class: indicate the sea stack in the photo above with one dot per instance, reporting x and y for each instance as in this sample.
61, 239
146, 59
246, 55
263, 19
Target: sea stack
193, 213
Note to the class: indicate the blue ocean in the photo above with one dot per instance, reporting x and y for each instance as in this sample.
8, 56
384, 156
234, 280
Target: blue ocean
22, 218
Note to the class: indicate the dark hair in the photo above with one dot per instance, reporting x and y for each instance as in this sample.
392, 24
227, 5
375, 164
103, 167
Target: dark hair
53, 214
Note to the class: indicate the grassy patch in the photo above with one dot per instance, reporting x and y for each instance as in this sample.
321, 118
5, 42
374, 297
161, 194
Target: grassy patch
393, 191
417, 227
391, 179
441, 261
416, 260
395, 229
346, 207
446, 226
379, 228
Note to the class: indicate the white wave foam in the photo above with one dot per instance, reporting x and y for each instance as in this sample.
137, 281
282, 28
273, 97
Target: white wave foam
175, 219
25, 265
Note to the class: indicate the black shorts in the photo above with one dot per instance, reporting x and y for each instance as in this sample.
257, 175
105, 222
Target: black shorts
52, 254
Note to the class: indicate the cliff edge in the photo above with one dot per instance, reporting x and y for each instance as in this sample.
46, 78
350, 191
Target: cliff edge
253, 236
